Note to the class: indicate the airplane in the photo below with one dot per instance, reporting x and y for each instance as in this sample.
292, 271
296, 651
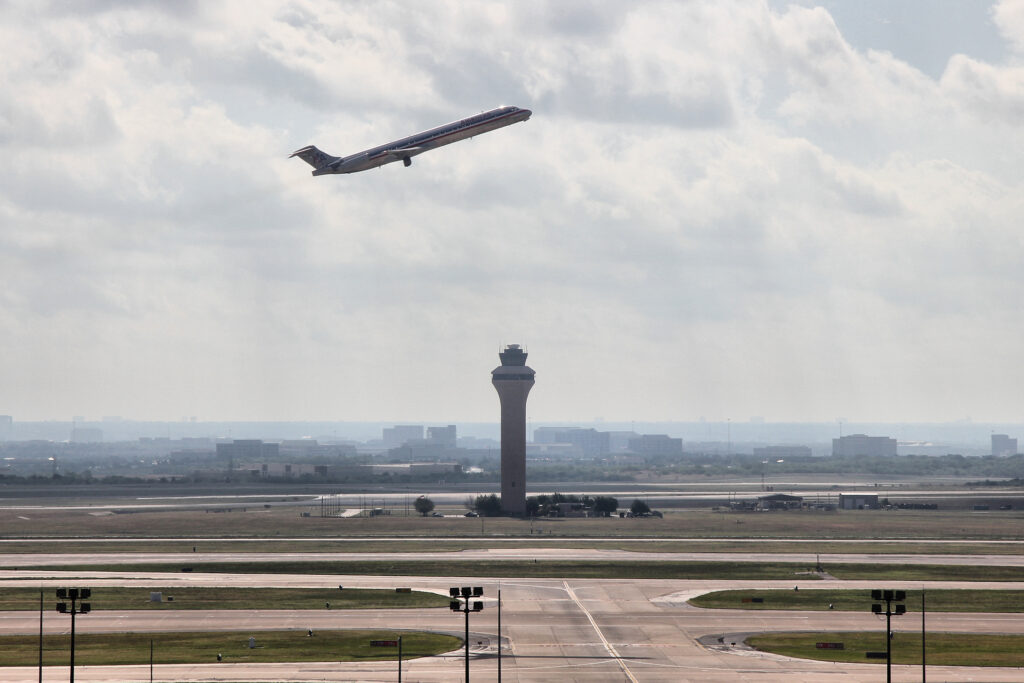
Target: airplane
406, 148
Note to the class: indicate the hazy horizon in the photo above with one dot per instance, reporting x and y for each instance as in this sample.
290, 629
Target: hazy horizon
925, 438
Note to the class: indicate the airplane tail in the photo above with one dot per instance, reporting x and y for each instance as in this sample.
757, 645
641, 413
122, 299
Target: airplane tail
313, 156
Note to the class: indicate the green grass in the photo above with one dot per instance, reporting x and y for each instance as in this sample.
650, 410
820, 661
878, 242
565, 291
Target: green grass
202, 597
203, 647
411, 545
490, 568
814, 599
575, 569
949, 649
254, 521
925, 572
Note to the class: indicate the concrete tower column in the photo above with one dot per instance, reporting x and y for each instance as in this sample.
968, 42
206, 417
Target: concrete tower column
513, 381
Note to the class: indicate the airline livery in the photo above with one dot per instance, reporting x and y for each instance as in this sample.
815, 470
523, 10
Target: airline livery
406, 148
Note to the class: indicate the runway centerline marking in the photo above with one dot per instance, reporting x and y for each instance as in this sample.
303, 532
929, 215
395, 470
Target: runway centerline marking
607, 646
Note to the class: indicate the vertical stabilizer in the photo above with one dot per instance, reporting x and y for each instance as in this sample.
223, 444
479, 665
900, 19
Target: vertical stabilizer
313, 156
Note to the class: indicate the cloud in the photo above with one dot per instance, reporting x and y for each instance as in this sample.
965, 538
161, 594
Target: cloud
717, 208
1008, 16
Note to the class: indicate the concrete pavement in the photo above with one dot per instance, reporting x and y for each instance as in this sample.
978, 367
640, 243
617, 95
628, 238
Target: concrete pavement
560, 631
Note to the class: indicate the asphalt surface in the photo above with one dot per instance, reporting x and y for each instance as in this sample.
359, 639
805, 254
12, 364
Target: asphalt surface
558, 630
14, 560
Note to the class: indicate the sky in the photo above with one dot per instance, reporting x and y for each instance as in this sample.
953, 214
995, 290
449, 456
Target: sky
719, 209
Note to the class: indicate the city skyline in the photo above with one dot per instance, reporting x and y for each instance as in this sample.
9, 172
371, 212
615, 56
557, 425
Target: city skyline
798, 210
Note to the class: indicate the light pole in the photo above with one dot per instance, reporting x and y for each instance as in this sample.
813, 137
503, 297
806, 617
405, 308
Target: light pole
40, 635
889, 596
73, 594
460, 603
499, 634
924, 674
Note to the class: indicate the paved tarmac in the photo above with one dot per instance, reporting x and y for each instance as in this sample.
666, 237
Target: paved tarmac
537, 553
586, 630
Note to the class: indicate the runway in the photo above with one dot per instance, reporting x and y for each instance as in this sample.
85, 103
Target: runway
489, 554
587, 630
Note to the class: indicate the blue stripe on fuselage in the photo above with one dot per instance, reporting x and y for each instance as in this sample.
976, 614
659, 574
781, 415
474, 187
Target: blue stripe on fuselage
443, 132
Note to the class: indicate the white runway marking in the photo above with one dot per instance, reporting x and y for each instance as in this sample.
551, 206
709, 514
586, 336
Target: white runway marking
607, 646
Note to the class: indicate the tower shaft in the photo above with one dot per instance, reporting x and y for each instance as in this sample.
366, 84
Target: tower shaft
513, 381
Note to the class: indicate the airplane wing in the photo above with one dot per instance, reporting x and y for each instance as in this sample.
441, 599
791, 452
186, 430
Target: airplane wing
405, 151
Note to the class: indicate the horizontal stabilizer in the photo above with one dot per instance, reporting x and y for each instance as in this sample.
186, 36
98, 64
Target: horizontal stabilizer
313, 156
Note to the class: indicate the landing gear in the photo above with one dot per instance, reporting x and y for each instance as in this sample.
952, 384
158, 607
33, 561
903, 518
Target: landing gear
407, 161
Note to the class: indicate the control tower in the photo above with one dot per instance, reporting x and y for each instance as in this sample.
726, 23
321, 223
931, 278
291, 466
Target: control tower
513, 381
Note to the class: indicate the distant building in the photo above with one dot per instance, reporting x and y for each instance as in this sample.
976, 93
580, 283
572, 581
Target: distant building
247, 450
287, 470
779, 501
310, 448
6, 427
443, 436
552, 451
619, 441
399, 434
588, 442
417, 468
549, 434
1003, 446
858, 501
782, 452
86, 435
656, 444
860, 444
421, 449
591, 442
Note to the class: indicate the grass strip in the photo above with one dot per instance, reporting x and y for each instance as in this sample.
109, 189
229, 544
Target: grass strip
203, 647
925, 572
945, 649
820, 547
814, 599
490, 568
203, 597
254, 522
576, 569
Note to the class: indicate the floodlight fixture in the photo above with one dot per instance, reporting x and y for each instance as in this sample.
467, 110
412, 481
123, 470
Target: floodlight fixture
73, 594
460, 602
889, 596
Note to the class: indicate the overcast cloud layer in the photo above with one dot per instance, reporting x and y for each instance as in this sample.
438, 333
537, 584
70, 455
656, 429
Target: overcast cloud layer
719, 208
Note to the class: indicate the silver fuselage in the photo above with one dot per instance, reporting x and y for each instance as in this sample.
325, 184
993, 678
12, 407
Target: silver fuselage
408, 147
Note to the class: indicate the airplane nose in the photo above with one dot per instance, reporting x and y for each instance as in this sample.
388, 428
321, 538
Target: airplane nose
527, 114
